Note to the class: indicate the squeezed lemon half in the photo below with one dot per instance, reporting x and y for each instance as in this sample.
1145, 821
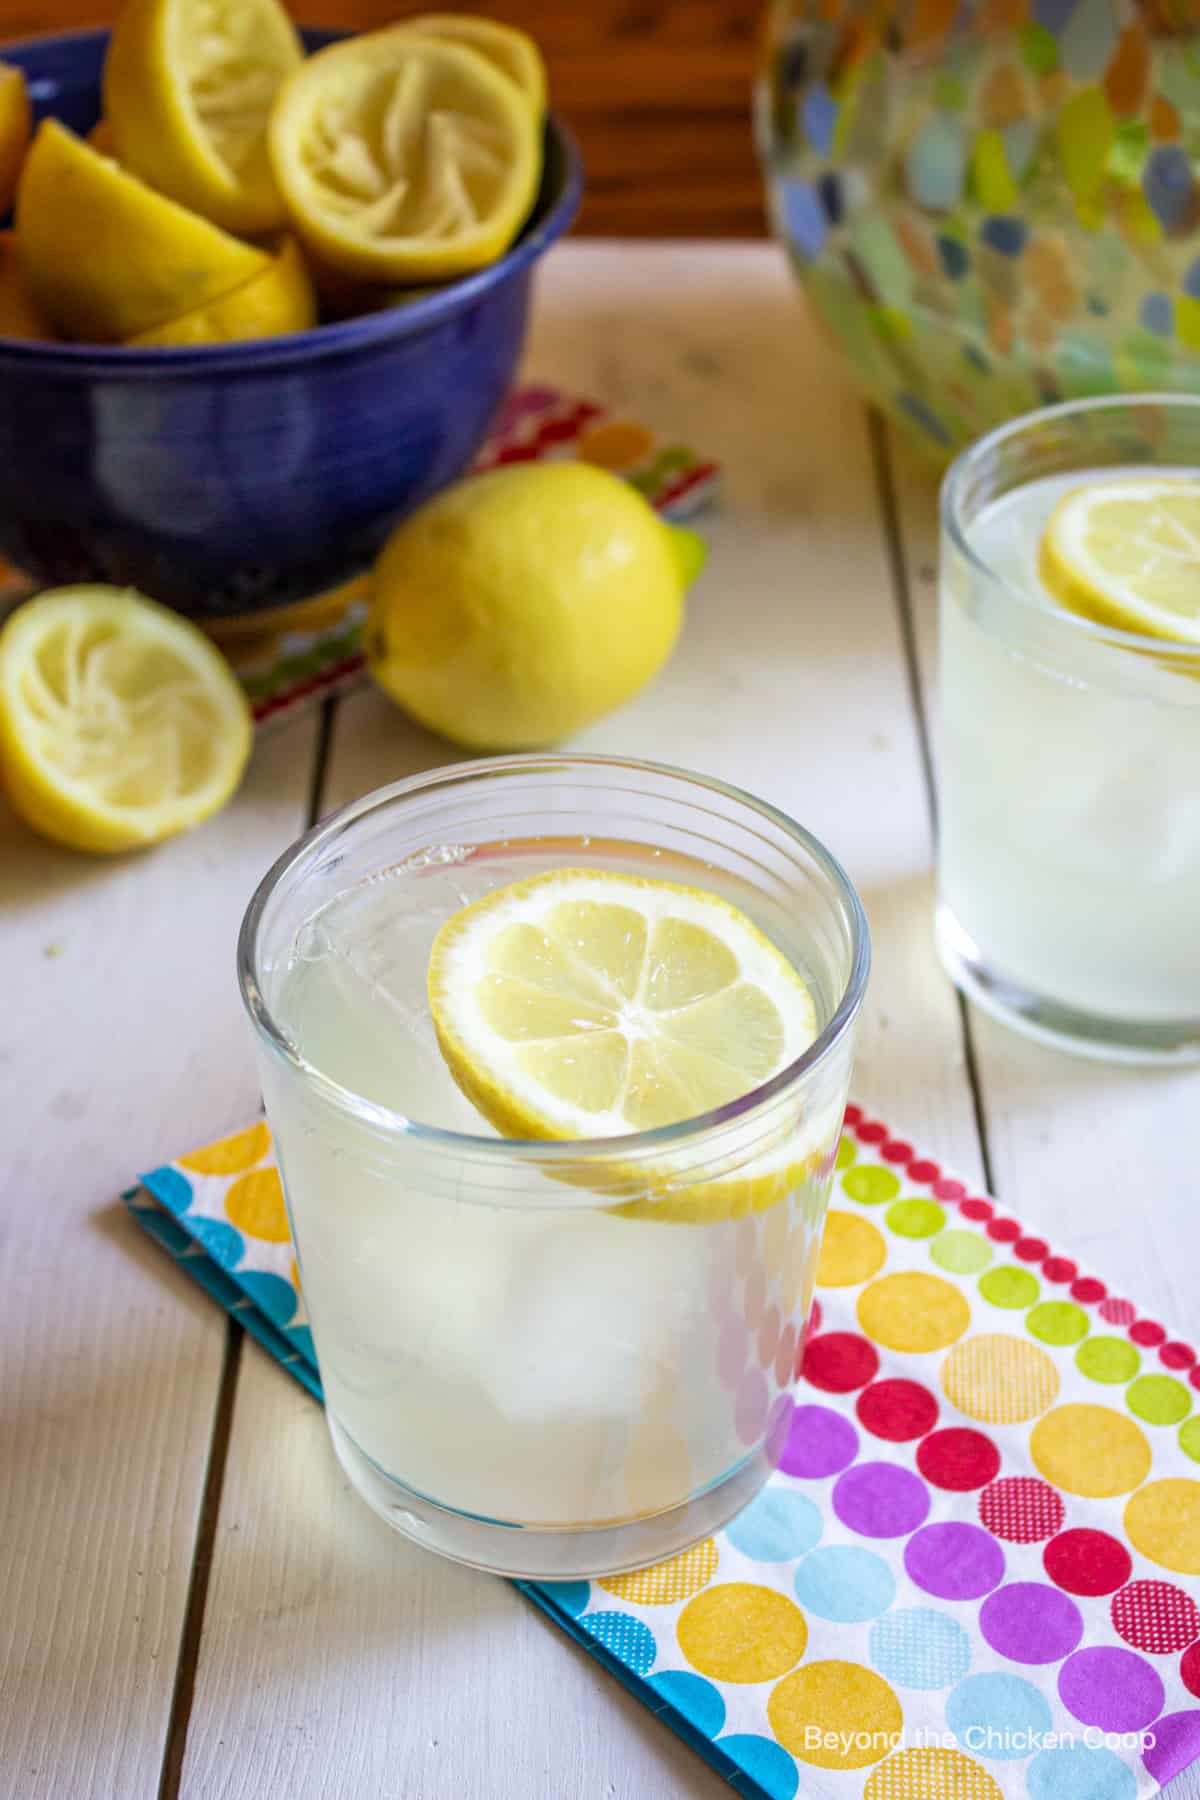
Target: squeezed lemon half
513, 52
587, 1003
120, 723
1126, 553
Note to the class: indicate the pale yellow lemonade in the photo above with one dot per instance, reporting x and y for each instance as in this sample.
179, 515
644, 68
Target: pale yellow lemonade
557, 1362
1070, 804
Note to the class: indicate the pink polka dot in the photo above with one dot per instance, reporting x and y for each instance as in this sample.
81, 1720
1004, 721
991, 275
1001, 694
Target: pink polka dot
750, 1407
1189, 1669
1087, 1562
731, 1352
896, 1151
1059, 1268
785, 1356
872, 1134
721, 1278
1112, 1689
819, 1442
755, 1298
840, 1361
1176, 1355
1004, 1231
976, 1209
954, 1560
923, 1171
958, 1459
1194, 1378
1176, 1744
815, 1315
1146, 1332
1156, 1616
897, 1410
853, 1115
1030, 1623
1087, 1290
1117, 1312
768, 1337
880, 1500
779, 1422
1022, 1509
946, 1189
1031, 1249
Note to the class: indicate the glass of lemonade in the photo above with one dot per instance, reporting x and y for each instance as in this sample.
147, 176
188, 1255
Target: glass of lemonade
1069, 791
547, 1358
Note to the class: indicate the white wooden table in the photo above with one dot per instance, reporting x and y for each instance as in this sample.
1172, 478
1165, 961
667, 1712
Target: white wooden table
191, 1600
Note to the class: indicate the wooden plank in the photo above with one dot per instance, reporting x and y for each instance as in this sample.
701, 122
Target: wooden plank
335, 1657
121, 1042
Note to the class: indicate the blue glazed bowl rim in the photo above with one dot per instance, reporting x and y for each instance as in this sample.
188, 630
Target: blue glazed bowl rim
333, 339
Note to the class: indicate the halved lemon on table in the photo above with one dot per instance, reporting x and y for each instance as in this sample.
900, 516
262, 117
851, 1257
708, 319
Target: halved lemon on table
120, 723
1126, 553
403, 158
188, 89
584, 1003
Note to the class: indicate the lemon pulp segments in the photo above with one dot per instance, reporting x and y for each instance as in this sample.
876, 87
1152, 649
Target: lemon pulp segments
583, 1003
120, 723
188, 88
402, 158
1127, 554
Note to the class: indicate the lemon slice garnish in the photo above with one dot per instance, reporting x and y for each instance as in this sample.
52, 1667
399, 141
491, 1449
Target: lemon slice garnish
587, 1003
1126, 553
278, 301
120, 723
104, 255
402, 158
188, 89
513, 52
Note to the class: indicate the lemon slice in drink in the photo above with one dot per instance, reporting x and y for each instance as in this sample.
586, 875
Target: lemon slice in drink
1126, 553
513, 52
120, 723
106, 257
585, 1003
188, 88
404, 159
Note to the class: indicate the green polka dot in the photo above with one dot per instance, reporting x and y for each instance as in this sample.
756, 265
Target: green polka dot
915, 1218
870, 1185
961, 1252
1189, 1438
1058, 1322
846, 1152
1009, 1286
1159, 1399
1108, 1359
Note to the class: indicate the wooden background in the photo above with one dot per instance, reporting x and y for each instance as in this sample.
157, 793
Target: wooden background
657, 91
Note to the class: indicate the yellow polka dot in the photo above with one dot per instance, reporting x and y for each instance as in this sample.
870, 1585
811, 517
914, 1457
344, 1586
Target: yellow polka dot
1090, 1450
775, 1237
999, 1379
741, 1632
913, 1312
1163, 1522
677, 1579
854, 1710
255, 1205
851, 1251
931, 1774
241, 1151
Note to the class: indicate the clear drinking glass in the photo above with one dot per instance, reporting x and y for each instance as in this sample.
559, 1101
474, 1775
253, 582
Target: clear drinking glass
545, 1359
1069, 816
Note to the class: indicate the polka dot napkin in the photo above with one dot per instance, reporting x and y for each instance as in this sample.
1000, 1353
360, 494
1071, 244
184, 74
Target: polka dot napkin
976, 1571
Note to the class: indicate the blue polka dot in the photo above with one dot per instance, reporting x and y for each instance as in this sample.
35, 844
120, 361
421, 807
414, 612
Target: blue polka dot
819, 116
173, 1189
830, 190
698, 1700
804, 219
953, 258
1004, 234
630, 1641
1077, 1772
768, 1765
1167, 184
1157, 314
301, 1336
923, 416
222, 1242
998, 1716
170, 1234
776, 1526
845, 1584
920, 1648
1191, 281
572, 1596
271, 1294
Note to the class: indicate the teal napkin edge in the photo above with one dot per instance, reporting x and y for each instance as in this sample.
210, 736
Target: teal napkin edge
146, 1206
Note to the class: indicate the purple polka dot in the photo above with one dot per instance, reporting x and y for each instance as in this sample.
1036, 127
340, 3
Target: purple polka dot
954, 1561
731, 1352
778, 1426
880, 1500
1112, 1689
819, 1442
1031, 1623
1176, 1744
750, 1408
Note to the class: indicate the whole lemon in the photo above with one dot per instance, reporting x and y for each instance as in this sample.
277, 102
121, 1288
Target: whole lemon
520, 605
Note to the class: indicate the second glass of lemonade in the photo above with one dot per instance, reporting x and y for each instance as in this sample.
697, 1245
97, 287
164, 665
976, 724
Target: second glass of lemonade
547, 1358
1069, 788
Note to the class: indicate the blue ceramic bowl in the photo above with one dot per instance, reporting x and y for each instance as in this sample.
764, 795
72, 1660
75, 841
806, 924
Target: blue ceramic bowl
237, 477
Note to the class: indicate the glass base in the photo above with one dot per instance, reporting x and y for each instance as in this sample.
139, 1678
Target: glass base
1093, 1035
534, 1553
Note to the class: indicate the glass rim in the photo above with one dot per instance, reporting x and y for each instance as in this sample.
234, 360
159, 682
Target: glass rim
627, 1145
950, 512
